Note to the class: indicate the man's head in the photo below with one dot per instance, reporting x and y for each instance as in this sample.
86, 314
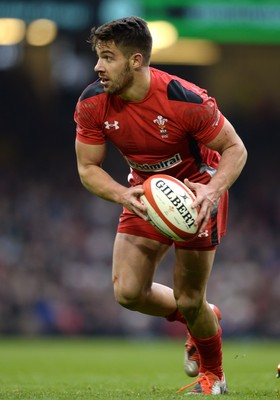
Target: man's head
123, 48
130, 35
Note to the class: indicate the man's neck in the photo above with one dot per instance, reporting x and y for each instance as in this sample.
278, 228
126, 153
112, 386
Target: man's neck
140, 87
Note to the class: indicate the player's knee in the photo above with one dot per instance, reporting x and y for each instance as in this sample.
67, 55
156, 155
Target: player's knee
127, 297
189, 306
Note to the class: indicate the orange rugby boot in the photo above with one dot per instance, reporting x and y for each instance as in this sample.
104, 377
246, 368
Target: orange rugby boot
207, 383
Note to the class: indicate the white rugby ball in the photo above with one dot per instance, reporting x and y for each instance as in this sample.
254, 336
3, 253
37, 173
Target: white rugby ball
168, 203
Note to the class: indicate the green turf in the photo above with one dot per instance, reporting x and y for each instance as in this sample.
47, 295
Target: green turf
76, 369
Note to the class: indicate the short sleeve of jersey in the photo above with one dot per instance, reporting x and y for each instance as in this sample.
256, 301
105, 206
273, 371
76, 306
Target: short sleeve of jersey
204, 120
87, 113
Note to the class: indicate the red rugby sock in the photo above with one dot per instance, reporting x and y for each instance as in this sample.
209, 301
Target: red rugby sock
210, 350
176, 316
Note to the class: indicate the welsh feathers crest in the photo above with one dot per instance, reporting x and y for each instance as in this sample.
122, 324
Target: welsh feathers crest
161, 123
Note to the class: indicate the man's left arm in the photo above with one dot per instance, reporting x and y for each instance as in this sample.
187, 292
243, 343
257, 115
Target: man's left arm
233, 158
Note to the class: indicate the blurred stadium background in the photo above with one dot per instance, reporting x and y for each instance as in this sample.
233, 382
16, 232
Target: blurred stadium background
55, 238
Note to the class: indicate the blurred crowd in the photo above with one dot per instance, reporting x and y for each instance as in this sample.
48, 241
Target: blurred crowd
56, 245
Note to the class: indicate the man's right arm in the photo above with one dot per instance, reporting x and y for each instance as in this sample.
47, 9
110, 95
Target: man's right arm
100, 183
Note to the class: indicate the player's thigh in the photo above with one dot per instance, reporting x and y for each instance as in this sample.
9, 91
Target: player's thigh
192, 271
135, 260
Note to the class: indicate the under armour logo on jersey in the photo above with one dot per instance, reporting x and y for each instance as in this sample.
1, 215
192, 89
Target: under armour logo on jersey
161, 121
114, 125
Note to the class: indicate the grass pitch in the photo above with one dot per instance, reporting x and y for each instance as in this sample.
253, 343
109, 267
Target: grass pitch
83, 369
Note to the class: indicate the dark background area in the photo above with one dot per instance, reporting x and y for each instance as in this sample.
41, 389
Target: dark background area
56, 239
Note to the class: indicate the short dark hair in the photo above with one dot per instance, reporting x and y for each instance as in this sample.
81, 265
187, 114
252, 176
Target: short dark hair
130, 34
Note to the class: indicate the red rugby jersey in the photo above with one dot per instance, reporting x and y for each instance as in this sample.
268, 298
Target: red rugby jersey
166, 132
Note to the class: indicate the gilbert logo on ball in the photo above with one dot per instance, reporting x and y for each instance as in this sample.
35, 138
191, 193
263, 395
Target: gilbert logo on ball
168, 203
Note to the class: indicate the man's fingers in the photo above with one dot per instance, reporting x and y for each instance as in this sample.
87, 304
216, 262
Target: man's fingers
190, 184
203, 217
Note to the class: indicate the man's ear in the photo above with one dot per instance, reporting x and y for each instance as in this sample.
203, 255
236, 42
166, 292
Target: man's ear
136, 60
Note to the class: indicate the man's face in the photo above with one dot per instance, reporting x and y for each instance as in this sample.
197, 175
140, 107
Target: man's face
113, 68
